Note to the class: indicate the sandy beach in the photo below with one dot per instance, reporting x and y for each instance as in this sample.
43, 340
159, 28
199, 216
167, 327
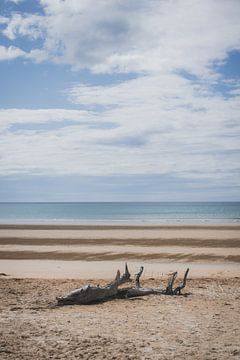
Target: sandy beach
40, 262
119, 180
104, 243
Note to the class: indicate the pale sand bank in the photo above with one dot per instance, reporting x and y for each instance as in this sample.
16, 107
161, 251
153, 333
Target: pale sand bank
55, 269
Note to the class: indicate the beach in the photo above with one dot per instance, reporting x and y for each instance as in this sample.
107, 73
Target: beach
119, 180
40, 262
89, 251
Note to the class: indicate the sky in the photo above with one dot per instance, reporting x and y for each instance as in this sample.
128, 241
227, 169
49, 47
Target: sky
117, 100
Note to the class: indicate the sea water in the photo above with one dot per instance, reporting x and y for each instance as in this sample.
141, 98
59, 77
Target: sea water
121, 213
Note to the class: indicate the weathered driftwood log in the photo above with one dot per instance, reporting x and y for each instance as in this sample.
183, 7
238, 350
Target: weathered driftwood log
92, 294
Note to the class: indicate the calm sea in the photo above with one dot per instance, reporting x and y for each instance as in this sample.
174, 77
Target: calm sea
121, 213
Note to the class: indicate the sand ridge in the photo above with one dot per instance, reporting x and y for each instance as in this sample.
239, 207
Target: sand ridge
105, 243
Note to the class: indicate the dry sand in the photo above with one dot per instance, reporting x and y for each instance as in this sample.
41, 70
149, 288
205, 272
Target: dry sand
202, 324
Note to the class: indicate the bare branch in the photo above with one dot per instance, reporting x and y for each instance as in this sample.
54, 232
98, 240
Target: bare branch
178, 289
169, 288
137, 277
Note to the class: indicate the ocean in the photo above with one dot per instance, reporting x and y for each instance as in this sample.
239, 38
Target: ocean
121, 213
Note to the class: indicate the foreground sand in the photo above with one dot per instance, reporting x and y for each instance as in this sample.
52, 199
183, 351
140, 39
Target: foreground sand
42, 262
203, 324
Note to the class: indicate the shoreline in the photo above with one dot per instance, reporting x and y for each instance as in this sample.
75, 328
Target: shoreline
109, 226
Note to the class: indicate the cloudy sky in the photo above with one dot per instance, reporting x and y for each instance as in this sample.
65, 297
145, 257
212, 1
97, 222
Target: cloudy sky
116, 100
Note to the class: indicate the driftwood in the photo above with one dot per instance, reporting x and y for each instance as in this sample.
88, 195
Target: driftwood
93, 294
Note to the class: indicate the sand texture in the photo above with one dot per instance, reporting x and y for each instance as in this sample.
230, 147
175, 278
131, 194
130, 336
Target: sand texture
143, 243
42, 262
203, 324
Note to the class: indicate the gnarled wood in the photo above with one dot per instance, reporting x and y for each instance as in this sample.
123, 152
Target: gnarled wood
137, 277
169, 289
178, 289
91, 294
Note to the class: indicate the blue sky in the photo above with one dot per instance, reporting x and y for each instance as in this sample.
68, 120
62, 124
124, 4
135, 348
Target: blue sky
116, 100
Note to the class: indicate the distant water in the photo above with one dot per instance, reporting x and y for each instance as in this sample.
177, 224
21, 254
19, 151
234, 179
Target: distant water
121, 213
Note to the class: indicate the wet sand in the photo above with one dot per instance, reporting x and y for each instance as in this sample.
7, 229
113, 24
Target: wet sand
126, 243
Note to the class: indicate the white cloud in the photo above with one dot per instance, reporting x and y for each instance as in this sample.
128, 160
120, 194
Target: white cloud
10, 117
37, 55
10, 53
164, 123
156, 36
3, 20
13, 52
119, 36
24, 25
